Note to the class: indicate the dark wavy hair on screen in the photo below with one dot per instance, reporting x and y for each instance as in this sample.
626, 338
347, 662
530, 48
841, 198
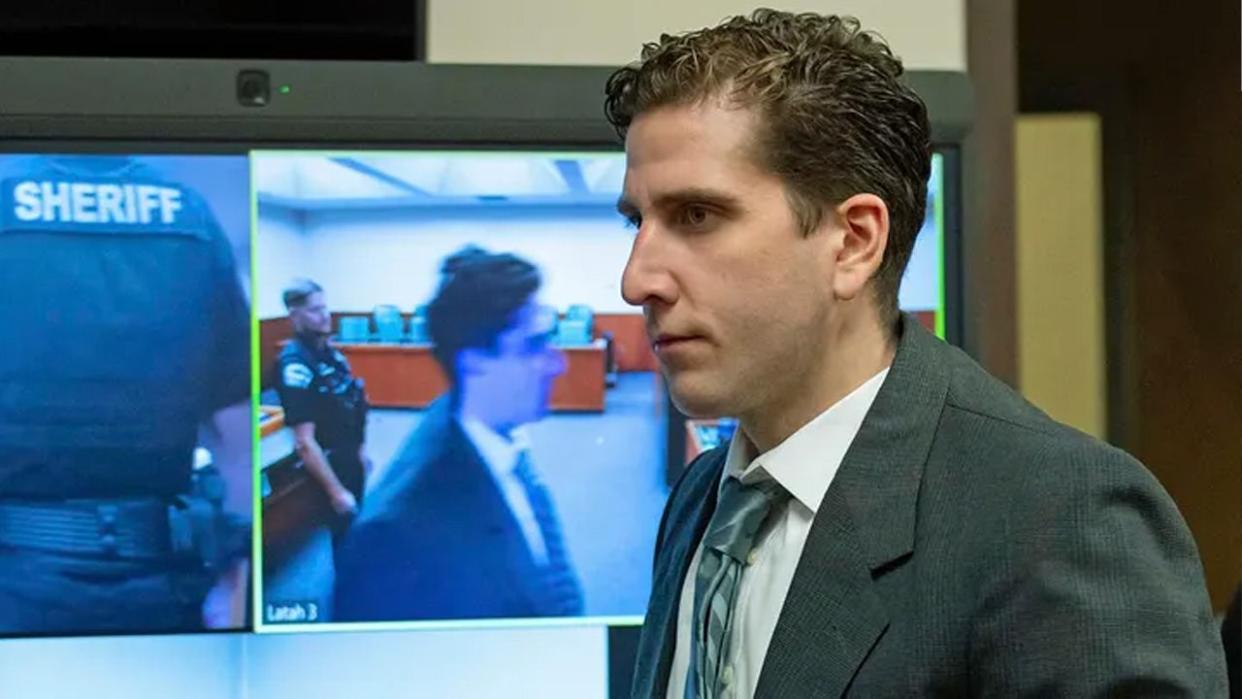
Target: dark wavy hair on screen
478, 296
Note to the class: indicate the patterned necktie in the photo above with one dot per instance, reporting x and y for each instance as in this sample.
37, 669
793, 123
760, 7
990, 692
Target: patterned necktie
561, 591
740, 513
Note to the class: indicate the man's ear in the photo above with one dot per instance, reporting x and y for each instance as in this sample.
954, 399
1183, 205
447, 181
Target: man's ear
864, 222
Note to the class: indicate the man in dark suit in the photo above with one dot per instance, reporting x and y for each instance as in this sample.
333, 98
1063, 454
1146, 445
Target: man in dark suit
889, 520
461, 526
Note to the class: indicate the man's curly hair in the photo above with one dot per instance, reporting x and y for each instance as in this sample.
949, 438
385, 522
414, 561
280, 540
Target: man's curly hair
835, 118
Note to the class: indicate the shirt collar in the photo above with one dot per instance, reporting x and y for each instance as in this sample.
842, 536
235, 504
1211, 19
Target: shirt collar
807, 461
500, 454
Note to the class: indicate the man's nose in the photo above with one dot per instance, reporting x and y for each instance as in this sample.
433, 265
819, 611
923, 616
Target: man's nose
647, 277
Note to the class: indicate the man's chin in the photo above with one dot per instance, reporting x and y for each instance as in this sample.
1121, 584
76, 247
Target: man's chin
697, 404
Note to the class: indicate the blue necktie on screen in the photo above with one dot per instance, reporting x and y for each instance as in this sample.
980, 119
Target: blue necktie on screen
562, 592
740, 513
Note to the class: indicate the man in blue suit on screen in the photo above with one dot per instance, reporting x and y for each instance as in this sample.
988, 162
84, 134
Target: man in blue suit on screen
461, 526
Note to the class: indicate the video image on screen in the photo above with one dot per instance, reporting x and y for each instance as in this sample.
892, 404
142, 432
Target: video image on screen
462, 420
530, 484
125, 413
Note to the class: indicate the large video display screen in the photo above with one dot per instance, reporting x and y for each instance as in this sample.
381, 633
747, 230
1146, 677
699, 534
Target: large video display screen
331, 398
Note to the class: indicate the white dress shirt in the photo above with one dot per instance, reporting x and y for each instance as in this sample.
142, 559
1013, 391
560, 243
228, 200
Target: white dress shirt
804, 464
501, 456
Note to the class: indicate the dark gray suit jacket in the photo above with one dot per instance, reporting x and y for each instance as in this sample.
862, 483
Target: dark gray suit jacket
968, 546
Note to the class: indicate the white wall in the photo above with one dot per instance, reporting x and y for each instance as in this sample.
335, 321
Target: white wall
282, 254
926, 34
551, 663
567, 662
365, 258
205, 666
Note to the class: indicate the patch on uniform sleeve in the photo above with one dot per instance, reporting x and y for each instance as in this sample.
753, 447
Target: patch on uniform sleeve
297, 375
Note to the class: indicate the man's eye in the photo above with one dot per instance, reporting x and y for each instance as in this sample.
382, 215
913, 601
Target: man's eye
634, 221
695, 216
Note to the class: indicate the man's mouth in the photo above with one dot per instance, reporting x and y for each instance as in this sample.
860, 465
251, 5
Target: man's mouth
667, 341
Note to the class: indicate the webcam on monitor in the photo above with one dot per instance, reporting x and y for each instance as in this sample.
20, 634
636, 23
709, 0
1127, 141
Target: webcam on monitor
254, 88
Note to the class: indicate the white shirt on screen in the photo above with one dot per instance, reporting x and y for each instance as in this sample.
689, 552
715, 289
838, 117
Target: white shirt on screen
501, 456
804, 464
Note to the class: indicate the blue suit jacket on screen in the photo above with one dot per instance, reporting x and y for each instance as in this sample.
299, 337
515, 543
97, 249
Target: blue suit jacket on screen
436, 540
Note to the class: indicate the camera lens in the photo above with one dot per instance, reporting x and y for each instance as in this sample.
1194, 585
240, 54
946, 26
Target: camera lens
254, 88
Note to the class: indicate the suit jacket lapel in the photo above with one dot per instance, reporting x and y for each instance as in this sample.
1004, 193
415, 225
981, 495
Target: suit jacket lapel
491, 516
833, 615
689, 517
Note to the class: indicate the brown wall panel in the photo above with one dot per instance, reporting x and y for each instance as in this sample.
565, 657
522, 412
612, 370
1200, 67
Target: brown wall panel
1167, 90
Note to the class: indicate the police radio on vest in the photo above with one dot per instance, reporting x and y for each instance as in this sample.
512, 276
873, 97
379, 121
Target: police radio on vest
91, 202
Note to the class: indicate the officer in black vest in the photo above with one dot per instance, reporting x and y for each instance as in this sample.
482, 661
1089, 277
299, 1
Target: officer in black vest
128, 343
324, 403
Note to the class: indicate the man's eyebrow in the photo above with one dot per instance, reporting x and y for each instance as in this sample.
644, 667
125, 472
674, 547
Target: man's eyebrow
689, 195
698, 195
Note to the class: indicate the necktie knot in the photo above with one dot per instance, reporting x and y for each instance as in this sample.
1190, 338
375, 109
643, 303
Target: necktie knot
740, 514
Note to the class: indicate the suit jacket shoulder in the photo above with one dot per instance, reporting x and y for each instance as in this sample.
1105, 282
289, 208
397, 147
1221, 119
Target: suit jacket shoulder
1070, 552
995, 434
